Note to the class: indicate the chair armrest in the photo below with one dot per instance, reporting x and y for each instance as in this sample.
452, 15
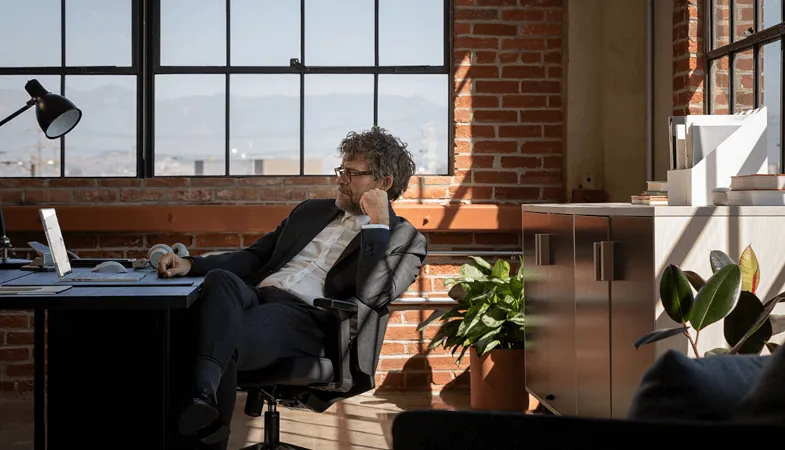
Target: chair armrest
344, 312
337, 305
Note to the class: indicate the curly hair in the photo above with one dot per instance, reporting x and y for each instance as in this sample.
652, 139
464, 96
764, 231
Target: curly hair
385, 154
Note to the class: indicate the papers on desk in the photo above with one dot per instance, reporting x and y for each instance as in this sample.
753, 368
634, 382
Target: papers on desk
32, 290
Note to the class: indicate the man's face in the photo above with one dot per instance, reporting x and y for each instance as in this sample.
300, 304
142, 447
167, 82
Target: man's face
351, 186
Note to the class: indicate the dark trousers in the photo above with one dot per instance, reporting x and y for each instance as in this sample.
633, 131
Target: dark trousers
247, 328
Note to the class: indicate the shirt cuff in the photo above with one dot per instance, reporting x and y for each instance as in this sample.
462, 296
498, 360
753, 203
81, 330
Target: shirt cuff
375, 225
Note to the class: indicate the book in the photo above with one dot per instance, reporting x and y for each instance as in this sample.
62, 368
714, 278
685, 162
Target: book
760, 181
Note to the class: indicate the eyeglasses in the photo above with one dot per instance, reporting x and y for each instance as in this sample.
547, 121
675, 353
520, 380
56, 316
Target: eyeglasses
348, 174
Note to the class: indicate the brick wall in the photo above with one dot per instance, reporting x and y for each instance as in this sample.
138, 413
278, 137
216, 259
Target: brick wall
689, 67
509, 126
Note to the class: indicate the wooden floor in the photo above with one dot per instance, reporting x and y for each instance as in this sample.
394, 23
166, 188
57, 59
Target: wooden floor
361, 422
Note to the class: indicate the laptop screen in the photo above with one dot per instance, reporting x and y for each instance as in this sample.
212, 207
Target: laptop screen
54, 238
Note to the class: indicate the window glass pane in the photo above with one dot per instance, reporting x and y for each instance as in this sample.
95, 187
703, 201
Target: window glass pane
721, 22
414, 109
190, 125
339, 33
264, 129
103, 144
770, 72
718, 75
25, 46
743, 18
334, 106
411, 32
264, 32
98, 33
193, 33
24, 150
743, 81
770, 13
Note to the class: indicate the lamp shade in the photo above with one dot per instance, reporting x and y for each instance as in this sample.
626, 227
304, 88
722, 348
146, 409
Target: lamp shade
56, 114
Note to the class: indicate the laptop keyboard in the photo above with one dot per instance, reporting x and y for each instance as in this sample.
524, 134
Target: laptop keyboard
102, 276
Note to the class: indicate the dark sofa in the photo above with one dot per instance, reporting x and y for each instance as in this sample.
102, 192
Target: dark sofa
718, 401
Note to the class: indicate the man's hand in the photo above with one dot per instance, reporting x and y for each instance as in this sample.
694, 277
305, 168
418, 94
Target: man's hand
375, 204
171, 265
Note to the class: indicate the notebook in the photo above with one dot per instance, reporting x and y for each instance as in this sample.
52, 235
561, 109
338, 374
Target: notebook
54, 237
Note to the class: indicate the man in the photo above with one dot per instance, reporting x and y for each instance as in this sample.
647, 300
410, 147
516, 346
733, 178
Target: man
256, 304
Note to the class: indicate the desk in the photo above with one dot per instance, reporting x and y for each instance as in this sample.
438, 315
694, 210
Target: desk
118, 361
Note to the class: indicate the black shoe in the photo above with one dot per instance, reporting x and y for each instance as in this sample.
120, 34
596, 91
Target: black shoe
201, 419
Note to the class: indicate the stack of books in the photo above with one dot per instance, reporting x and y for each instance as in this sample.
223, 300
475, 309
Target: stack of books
656, 194
757, 190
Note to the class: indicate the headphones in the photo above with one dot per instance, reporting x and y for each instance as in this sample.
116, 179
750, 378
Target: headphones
159, 250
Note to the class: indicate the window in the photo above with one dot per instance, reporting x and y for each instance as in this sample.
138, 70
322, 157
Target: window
745, 64
224, 88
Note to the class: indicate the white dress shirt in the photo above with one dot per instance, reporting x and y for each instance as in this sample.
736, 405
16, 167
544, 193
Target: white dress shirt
304, 274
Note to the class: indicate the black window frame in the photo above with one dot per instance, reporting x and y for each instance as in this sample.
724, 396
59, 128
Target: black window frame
755, 41
146, 36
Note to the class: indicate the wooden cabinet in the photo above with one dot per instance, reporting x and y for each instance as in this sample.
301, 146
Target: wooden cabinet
593, 289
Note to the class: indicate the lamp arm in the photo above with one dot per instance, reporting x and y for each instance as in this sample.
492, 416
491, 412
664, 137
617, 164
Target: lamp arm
27, 106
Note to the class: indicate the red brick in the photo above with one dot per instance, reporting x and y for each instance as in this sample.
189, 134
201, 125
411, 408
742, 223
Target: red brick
189, 195
495, 146
19, 338
499, 115
477, 101
523, 72
13, 321
546, 29
540, 177
14, 354
217, 240
524, 101
476, 71
519, 131
544, 116
540, 87
466, 42
475, 14
468, 162
497, 87
523, 44
20, 370
523, 15
503, 193
495, 29
495, 177
474, 131
458, 193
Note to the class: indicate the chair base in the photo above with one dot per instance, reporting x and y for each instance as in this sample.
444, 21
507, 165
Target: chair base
280, 446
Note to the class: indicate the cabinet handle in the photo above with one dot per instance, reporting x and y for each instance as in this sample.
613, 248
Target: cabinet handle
604, 263
542, 249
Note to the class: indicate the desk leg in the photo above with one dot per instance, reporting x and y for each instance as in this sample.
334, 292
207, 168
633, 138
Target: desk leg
39, 361
114, 380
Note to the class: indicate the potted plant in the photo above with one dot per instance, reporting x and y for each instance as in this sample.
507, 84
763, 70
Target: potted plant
729, 295
487, 320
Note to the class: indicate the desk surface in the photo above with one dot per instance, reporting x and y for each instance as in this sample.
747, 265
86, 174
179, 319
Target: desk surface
155, 294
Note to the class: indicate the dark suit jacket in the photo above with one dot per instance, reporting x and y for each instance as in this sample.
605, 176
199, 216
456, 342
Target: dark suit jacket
375, 268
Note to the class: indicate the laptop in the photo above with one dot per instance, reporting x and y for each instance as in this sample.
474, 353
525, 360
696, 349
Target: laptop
54, 237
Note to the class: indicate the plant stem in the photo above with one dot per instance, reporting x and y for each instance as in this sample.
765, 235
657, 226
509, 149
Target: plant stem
693, 343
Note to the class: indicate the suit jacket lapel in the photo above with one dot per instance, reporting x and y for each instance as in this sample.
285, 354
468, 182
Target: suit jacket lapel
307, 231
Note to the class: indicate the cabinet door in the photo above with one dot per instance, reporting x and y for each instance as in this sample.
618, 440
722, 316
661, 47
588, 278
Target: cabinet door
592, 319
632, 306
561, 314
537, 347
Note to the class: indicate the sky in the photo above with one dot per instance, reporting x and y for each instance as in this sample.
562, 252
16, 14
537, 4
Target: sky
263, 32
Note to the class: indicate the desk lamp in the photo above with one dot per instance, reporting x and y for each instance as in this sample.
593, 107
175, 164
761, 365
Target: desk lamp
56, 116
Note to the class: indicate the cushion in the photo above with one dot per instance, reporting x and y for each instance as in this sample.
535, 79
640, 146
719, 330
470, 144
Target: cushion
765, 402
710, 388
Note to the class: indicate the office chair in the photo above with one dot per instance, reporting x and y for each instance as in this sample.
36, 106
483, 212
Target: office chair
295, 382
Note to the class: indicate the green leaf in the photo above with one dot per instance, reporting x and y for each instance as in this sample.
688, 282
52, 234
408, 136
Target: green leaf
719, 259
494, 318
472, 319
471, 272
695, 280
715, 352
750, 270
741, 320
482, 264
676, 294
768, 307
457, 292
658, 335
460, 357
486, 347
501, 269
518, 319
777, 323
717, 297
438, 314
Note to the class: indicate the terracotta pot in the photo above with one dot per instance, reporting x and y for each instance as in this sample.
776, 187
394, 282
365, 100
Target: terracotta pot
498, 381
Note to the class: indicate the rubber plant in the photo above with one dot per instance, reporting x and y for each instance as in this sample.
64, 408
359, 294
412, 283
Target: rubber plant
488, 313
729, 294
